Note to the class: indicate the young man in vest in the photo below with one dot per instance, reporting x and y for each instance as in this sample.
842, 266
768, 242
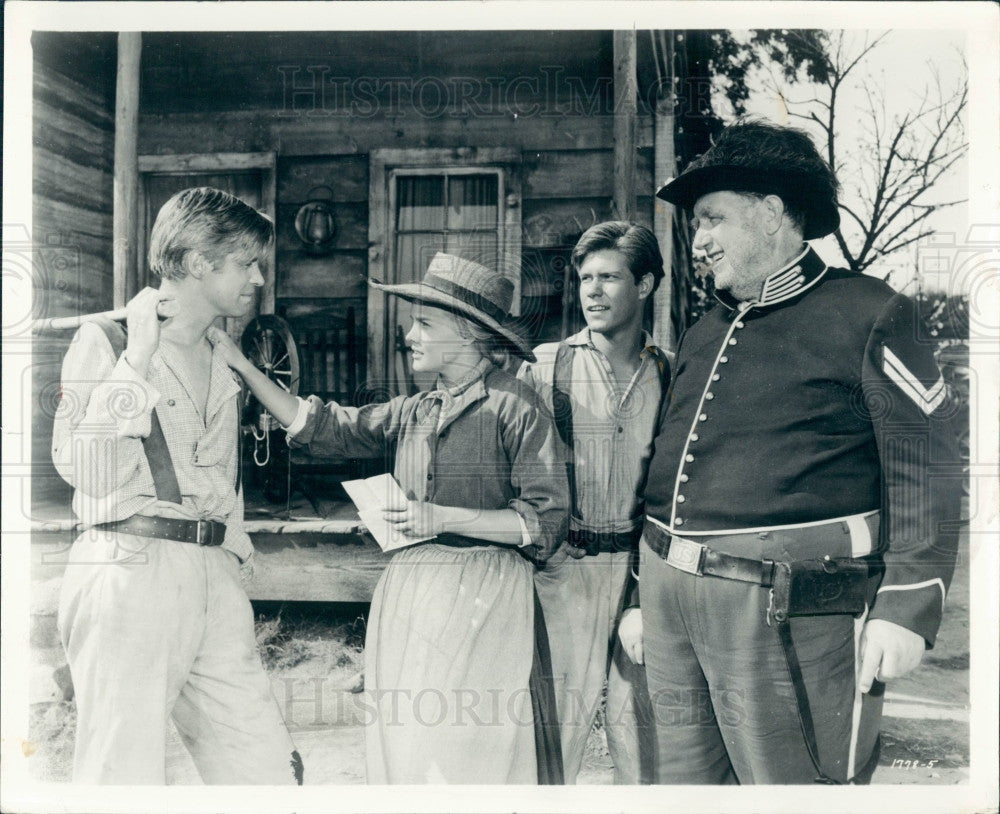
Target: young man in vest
605, 386
803, 496
152, 613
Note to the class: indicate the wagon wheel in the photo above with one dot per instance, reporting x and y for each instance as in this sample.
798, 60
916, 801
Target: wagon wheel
268, 344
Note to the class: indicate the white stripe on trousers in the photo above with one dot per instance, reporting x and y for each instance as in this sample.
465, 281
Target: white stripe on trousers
852, 754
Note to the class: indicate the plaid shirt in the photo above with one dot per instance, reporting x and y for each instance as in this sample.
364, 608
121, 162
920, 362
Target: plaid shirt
104, 413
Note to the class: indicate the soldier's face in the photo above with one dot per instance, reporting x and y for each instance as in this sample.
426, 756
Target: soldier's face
729, 233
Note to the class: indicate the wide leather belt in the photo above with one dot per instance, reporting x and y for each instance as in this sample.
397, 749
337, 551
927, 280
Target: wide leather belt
698, 559
199, 532
602, 542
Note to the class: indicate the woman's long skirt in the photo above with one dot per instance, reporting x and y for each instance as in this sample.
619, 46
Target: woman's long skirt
447, 661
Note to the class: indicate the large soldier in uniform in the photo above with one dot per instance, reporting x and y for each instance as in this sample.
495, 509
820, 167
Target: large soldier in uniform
807, 434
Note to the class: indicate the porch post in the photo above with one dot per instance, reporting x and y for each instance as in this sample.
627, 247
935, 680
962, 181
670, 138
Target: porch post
625, 124
126, 177
664, 168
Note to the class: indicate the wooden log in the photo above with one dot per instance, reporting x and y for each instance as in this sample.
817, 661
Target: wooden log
61, 133
56, 177
212, 162
296, 134
269, 205
57, 90
337, 275
625, 124
126, 185
346, 176
568, 174
79, 227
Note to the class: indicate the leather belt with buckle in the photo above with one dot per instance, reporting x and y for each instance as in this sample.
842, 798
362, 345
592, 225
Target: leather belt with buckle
686, 555
698, 559
601, 542
198, 532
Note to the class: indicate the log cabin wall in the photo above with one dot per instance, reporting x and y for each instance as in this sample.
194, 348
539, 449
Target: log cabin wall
323, 102
71, 236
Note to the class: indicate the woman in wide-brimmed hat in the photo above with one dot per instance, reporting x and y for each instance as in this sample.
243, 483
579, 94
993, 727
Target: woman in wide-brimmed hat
450, 635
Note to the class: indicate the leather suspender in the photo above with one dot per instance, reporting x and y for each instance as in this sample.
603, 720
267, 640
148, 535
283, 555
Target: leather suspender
161, 465
562, 408
562, 405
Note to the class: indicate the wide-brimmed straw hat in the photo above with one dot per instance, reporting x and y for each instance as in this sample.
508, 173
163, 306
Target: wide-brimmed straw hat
761, 157
469, 289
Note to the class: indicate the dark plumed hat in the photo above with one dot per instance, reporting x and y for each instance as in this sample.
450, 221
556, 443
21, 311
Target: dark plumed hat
758, 156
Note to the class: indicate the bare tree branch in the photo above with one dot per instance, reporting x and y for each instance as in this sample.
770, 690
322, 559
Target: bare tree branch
896, 162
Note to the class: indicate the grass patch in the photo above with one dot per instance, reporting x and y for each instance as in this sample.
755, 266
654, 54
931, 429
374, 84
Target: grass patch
279, 646
295, 642
52, 731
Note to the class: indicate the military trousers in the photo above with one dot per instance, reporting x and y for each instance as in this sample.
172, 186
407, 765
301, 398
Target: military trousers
724, 704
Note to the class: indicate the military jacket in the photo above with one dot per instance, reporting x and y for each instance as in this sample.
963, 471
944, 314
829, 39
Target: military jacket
818, 401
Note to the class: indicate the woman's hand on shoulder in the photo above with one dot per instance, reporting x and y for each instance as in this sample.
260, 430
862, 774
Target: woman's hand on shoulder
231, 353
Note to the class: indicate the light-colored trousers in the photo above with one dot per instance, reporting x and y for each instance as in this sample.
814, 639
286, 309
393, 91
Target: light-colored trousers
156, 628
582, 602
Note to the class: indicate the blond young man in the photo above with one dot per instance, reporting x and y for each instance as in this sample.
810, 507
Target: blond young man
153, 615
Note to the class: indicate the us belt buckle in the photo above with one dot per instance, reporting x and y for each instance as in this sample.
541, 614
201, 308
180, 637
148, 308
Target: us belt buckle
204, 527
686, 555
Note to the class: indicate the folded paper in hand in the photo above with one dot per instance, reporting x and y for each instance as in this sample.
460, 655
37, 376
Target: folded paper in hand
372, 496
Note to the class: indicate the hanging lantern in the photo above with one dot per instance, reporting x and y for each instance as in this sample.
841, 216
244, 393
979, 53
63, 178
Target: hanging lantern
314, 222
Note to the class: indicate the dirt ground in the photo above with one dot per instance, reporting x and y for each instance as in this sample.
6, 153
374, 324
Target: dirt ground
314, 654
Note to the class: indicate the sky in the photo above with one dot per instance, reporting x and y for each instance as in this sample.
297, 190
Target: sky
902, 66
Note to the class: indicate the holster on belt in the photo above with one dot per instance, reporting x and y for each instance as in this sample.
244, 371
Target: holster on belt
797, 588
811, 587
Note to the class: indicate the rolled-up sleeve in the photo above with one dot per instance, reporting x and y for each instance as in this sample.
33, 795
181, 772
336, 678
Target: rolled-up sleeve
538, 476
104, 413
